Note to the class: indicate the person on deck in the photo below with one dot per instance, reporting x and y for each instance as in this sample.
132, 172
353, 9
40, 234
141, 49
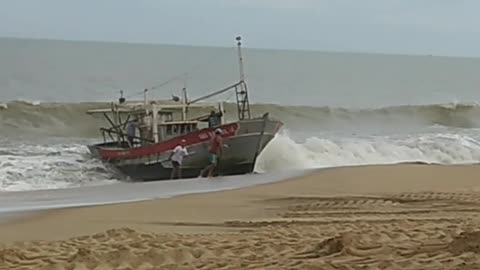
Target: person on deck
176, 158
215, 119
216, 150
131, 132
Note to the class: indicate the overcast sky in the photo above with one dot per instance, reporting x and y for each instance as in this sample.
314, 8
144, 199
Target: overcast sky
438, 27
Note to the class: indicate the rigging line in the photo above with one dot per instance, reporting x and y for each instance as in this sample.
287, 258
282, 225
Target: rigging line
230, 96
194, 68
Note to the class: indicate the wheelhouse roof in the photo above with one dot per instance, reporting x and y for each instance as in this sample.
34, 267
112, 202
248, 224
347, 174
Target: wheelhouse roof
141, 108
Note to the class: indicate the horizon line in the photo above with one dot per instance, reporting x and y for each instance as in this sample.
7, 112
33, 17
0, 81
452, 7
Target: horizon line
145, 43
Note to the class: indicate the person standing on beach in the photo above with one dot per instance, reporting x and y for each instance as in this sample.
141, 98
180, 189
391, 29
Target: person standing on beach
216, 150
176, 158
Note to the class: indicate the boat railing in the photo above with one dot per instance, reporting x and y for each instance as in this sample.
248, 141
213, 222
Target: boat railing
111, 132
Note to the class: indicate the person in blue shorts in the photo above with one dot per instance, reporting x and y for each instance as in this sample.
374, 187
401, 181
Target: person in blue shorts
215, 151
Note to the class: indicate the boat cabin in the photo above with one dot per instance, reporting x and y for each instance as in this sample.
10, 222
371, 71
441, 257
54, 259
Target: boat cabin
140, 125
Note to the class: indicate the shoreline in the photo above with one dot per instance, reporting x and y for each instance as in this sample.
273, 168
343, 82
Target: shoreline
403, 216
17, 202
32, 197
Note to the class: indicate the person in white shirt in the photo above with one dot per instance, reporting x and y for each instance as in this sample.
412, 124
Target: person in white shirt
176, 158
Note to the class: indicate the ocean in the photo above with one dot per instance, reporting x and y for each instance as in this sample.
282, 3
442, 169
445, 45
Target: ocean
339, 109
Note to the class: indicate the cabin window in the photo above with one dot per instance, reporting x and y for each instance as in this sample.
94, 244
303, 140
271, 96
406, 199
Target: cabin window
179, 129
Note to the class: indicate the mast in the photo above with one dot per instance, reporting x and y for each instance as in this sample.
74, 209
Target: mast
145, 100
185, 97
116, 121
240, 58
155, 122
185, 101
243, 105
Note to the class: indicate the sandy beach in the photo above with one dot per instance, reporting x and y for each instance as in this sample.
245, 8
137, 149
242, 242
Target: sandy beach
408, 216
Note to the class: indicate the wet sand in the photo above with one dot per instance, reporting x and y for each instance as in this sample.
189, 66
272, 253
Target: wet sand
407, 216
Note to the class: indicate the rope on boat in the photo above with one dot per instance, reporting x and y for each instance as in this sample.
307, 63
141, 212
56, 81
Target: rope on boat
175, 78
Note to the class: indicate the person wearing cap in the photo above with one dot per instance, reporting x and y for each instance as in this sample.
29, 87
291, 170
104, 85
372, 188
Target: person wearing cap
216, 150
176, 157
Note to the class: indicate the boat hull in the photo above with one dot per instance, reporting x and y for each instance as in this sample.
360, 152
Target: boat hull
245, 140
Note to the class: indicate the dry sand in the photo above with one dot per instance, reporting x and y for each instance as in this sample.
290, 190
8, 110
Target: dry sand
374, 217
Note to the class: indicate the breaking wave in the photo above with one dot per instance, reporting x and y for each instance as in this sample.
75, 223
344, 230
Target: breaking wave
283, 153
70, 119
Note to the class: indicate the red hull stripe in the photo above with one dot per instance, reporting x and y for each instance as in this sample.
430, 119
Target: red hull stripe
196, 137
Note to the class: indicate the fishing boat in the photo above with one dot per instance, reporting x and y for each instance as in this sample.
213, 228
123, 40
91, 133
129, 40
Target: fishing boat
161, 126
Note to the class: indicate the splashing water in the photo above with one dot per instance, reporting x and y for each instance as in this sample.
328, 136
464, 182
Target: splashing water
284, 153
28, 166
